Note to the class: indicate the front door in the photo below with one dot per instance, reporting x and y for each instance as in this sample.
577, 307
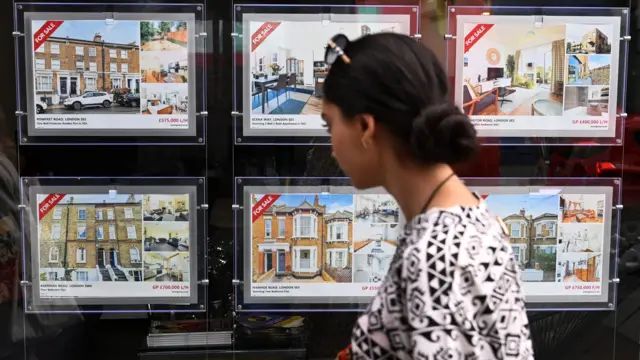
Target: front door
268, 261
63, 86
112, 257
74, 86
101, 255
281, 261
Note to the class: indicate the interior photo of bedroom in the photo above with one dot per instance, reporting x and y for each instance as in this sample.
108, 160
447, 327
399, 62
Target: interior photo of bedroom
515, 69
164, 99
287, 68
166, 266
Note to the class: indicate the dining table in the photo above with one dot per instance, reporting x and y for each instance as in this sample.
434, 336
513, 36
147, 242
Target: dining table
262, 83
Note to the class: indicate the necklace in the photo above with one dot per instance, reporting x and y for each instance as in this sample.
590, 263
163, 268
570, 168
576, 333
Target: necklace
435, 192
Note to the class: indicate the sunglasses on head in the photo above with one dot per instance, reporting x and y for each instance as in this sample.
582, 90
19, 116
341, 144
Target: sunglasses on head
335, 50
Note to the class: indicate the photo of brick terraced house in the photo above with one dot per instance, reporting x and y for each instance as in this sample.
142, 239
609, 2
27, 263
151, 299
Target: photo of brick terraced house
92, 238
78, 59
303, 238
532, 225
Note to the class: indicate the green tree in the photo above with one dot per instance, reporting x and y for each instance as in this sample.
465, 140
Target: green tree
165, 27
182, 25
43, 276
146, 31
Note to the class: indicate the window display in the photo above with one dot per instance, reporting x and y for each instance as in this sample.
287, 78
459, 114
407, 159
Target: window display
560, 238
541, 76
89, 74
316, 245
309, 244
114, 245
284, 70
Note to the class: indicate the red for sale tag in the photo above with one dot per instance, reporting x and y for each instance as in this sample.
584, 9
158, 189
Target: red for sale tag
262, 33
45, 32
48, 203
475, 35
262, 205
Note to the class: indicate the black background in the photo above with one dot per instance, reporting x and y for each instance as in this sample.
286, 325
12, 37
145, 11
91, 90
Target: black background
557, 335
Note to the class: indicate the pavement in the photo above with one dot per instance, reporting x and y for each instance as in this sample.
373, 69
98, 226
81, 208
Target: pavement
114, 109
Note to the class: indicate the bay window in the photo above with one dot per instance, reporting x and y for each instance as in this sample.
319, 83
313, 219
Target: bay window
305, 225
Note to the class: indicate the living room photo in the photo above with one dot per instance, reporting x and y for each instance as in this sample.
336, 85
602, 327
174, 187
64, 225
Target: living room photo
287, 67
514, 69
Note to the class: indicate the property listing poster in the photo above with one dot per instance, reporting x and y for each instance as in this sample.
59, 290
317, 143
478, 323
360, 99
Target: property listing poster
560, 240
93, 74
321, 245
284, 66
114, 246
538, 75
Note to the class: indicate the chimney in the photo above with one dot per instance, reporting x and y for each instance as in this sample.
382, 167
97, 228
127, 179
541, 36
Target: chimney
522, 212
316, 201
97, 37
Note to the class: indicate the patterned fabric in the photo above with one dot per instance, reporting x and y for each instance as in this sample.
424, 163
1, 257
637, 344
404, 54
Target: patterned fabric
452, 293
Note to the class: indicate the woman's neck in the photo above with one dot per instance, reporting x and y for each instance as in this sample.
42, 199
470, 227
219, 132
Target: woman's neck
413, 186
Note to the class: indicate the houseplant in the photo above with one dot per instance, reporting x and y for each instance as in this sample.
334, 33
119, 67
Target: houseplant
275, 68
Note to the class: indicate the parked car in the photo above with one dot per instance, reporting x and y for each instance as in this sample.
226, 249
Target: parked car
89, 99
132, 100
40, 107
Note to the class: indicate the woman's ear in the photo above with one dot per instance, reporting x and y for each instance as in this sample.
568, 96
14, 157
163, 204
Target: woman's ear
367, 126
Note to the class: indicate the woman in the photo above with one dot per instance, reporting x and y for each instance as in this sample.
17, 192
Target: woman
453, 288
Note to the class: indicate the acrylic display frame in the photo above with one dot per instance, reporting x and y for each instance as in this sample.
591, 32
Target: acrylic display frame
609, 188
193, 14
455, 65
242, 95
198, 281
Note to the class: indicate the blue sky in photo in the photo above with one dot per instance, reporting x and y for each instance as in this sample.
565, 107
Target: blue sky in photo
334, 202
504, 205
596, 61
121, 32
575, 31
93, 198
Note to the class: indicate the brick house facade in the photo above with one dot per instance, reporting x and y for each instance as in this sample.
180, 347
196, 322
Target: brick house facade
527, 235
66, 67
91, 242
287, 240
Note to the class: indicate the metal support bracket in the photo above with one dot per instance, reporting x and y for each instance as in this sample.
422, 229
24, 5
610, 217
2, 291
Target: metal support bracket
204, 282
236, 114
618, 207
202, 113
236, 207
203, 207
202, 34
22, 207
236, 282
417, 36
236, 35
17, 34
615, 281
625, 38
449, 37
20, 113
623, 115
25, 283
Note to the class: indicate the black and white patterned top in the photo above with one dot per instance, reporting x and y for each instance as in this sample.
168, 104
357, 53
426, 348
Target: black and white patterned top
452, 292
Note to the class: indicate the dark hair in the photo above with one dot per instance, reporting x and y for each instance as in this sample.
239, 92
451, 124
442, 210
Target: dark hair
403, 86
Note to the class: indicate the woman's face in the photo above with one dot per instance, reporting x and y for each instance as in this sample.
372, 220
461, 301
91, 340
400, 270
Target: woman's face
355, 152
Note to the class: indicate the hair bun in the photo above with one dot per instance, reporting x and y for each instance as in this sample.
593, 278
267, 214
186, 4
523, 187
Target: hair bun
443, 134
